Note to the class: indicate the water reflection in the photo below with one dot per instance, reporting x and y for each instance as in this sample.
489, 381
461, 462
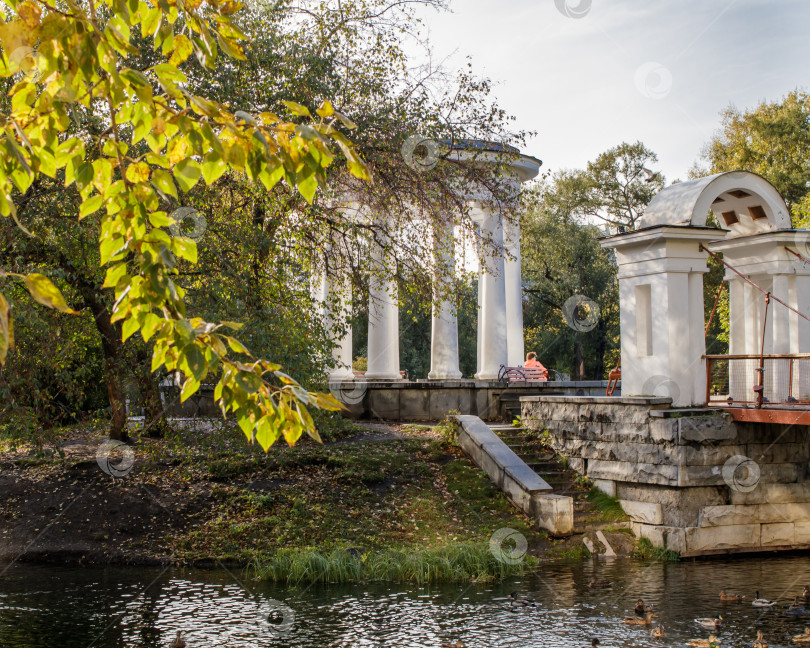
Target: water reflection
46, 606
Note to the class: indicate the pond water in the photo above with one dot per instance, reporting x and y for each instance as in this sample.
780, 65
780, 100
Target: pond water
74, 607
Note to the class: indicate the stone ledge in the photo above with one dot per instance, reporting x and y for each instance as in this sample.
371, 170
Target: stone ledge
524, 488
599, 400
678, 412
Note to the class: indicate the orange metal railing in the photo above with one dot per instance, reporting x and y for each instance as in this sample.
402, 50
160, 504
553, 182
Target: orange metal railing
760, 380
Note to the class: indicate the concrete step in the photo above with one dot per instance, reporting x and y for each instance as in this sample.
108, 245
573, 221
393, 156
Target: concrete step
550, 475
539, 466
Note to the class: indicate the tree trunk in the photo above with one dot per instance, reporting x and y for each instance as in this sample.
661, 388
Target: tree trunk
118, 421
579, 363
155, 423
112, 349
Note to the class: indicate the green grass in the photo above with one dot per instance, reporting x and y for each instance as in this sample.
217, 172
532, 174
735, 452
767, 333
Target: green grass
644, 550
609, 507
579, 552
459, 563
613, 529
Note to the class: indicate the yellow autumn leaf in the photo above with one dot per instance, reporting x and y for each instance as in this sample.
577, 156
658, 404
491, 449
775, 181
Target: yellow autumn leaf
43, 291
158, 125
182, 49
177, 150
138, 172
17, 39
30, 13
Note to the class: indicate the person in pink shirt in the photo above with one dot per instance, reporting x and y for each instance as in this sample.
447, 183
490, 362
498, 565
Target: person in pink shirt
533, 363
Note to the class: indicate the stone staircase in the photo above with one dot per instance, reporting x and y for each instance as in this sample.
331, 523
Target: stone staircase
543, 461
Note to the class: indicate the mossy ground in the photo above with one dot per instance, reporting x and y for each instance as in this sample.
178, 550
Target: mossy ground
203, 494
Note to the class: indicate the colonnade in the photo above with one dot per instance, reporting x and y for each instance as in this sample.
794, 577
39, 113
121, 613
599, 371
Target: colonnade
500, 300
500, 305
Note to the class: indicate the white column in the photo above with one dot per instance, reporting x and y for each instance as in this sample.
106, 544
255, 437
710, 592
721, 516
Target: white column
680, 376
492, 331
514, 291
736, 345
383, 319
697, 339
781, 338
753, 335
444, 325
802, 304
334, 295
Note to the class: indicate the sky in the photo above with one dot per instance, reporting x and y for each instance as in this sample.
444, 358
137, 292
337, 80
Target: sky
589, 74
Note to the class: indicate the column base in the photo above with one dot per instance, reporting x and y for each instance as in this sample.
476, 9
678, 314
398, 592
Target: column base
486, 375
341, 374
453, 375
383, 376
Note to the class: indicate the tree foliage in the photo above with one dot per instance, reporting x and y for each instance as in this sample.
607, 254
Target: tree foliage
157, 140
613, 189
772, 140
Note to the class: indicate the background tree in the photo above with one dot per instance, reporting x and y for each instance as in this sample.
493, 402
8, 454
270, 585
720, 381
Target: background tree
772, 140
158, 138
562, 259
613, 190
264, 240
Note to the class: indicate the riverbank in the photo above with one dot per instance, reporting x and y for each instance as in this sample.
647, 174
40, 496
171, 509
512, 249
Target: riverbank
380, 502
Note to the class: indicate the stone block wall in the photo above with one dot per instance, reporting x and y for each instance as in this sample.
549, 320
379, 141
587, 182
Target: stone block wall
404, 400
693, 481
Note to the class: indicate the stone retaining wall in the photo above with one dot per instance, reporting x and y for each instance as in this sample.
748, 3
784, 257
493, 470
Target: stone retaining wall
693, 481
431, 400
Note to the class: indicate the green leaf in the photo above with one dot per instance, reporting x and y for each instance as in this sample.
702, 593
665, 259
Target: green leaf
270, 178
167, 72
187, 172
267, 432
84, 175
90, 206
308, 185
326, 109
213, 167
297, 109
162, 180
150, 323
195, 360
138, 172
114, 274
185, 248
43, 291
232, 325
190, 387
236, 345
130, 328
182, 49
248, 381
151, 22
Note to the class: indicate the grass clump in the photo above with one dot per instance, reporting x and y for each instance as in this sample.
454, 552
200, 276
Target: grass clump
459, 563
609, 507
644, 550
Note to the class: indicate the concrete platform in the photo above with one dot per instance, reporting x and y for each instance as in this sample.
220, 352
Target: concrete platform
433, 400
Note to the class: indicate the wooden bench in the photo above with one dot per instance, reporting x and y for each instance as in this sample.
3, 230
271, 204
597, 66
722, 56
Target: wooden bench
522, 374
